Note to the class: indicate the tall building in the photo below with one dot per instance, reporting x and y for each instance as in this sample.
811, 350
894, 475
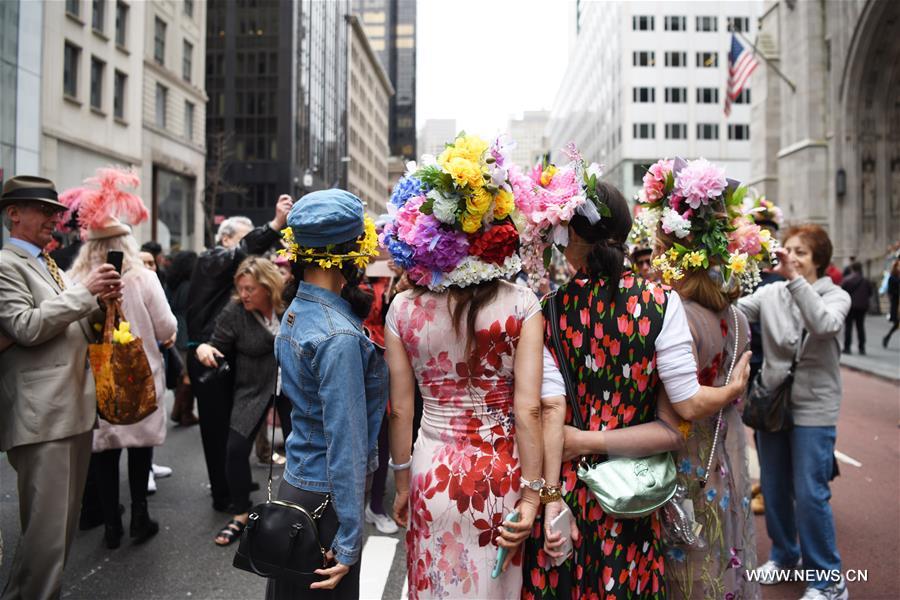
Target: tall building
434, 134
645, 80
277, 84
391, 28
367, 121
826, 143
174, 109
528, 134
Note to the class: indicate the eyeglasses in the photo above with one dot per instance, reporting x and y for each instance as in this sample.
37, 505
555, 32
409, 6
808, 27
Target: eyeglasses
48, 210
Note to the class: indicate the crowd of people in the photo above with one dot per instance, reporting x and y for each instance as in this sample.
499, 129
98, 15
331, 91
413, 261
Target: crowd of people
494, 338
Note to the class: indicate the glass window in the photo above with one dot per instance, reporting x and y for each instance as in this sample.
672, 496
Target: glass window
707, 60
99, 15
71, 58
643, 59
119, 95
159, 41
676, 131
707, 23
162, 95
643, 94
743, 97
738, 132
676, 59
189, 120
97, 68
187, 61
676, 95
676, 23
642, 23
707, 95
373, 17
121, 23
740, 24
73, 7
644, 131
189, 8
707, 131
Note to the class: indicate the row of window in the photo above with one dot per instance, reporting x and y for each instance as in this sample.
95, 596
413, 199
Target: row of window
679, 131
159, 50
674, 58
678, 95
98, 11
162, 110
679, 23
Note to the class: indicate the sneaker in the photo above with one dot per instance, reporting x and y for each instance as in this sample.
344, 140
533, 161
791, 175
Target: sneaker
771, 573
151, 483
835, 591
383, 523
160, 471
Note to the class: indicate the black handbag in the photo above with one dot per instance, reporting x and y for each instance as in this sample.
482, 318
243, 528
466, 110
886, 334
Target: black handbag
174, 367
281, 539
767, 409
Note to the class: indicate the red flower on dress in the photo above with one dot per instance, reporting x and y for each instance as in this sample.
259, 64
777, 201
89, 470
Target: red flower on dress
644, 326
496, 244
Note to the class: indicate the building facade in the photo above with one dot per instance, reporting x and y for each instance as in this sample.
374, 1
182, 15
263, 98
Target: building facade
368, 98
529, 135
826, 143
434, 134
646, 80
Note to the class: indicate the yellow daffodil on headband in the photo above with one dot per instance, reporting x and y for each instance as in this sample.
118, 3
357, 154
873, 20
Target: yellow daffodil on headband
367, 249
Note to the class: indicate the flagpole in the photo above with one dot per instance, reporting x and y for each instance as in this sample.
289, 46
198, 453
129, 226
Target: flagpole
762, 56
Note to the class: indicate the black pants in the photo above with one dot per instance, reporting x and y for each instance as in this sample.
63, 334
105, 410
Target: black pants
237, 457
106, 467
348, 588
214, 399
857, 316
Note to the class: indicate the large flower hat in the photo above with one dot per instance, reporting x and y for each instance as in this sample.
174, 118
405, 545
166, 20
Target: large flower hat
547, 197
102, 201
701, 212
449, 218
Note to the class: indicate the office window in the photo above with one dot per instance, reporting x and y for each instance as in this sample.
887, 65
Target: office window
119, 95
707, 131
707, 60
707, 95
642, 23
643, 94
98, 15
644, 131
676, 131
707, 24
159, 41
738, 132
643, 59
73, 7
676, 23
162, 96
71, 58
189, 8
187, 61
740, 24
189, 120
743, 97
676, 95
676, 59
97, 68
121, 23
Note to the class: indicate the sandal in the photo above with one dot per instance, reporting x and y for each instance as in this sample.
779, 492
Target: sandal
231, 532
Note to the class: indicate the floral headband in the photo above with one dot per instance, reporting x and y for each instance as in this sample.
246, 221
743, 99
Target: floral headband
326, 258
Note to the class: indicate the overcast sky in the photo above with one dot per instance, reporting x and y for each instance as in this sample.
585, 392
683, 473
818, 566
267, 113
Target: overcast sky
484, 61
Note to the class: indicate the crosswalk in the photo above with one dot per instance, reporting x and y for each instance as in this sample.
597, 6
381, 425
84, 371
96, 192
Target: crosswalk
378, 556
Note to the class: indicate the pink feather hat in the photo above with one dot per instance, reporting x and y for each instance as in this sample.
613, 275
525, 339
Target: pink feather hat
101, 203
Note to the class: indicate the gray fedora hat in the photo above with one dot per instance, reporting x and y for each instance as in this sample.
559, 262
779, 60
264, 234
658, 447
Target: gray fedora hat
27, 188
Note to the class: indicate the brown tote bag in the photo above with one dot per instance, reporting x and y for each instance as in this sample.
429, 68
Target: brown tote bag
125, 389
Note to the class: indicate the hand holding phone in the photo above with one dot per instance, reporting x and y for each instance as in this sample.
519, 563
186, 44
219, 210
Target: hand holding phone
115, 257
501, 551
562, 525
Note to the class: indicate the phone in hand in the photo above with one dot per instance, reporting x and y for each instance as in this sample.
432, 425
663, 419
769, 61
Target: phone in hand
501, 551
562, 524
115, 257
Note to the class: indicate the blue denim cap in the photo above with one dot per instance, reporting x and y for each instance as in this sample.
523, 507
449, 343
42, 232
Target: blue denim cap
326, 217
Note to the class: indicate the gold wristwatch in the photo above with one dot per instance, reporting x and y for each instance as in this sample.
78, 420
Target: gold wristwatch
551, 493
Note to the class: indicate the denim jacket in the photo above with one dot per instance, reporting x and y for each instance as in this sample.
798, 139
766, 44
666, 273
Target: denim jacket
338, 386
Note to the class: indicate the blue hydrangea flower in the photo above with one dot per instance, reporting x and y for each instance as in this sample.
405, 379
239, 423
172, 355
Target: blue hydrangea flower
408, 187
401, 252
685, 466
724, 501
700, 471
711, 495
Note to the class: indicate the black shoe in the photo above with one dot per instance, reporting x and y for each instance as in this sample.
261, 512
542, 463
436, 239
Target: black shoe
88, 521
223, 505
142, 526
113, 533
847, 351
885, 340
254, 486
862, 351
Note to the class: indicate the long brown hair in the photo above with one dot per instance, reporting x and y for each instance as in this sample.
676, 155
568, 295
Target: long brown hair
699, 285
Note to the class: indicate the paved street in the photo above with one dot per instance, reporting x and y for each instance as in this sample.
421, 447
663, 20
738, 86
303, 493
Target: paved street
183, 562
884, 362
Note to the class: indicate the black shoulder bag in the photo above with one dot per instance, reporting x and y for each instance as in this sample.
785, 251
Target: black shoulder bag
767, 409
281, 539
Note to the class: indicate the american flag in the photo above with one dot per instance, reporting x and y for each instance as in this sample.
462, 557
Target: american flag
741, 64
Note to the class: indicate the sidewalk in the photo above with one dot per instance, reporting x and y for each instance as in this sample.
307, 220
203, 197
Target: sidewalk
877, 361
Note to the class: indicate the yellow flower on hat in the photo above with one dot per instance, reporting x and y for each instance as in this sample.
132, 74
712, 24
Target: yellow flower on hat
547, 175
693, 259
470, 223
479, 202
465, 172
738, 263
503, 204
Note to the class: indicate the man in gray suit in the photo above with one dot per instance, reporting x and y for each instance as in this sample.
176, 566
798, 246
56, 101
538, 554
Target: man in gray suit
47, 402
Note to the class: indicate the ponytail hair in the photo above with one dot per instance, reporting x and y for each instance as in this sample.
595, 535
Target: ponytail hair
606, 258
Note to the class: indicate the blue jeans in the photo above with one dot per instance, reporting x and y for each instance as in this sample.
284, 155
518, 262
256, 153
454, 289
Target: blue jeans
795, 470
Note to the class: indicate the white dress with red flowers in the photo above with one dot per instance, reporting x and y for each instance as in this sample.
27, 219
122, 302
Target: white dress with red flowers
465, 469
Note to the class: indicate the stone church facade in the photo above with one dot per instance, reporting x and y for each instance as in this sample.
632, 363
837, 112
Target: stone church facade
828, 150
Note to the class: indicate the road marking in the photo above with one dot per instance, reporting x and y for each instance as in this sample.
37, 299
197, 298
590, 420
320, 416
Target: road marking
377, 558
404, 595
847, 460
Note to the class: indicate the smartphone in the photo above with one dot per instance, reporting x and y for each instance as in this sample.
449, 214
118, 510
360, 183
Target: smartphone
501, 551
562, 523
114, 257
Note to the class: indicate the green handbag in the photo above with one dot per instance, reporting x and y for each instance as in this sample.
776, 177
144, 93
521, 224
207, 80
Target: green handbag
626, 488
